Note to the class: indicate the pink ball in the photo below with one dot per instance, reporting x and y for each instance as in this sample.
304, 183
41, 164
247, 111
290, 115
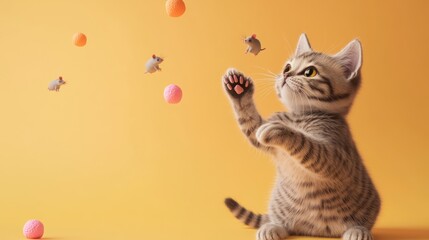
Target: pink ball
33, 229
172, 94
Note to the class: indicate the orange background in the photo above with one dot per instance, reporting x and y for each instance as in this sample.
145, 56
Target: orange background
107, 158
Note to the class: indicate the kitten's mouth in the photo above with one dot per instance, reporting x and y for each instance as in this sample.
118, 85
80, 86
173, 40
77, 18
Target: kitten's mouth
293, 85
284, 82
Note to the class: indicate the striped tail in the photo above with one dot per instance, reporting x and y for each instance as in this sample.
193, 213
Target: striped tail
247, 217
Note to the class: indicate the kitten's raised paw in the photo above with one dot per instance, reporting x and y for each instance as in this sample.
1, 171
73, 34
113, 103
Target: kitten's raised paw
236, 84
271, 231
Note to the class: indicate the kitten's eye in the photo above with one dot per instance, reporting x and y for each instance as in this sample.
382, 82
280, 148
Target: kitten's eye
287, 68
310, 72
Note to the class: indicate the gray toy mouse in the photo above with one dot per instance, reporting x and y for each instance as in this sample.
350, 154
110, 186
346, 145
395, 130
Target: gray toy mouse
254, 45
56, 84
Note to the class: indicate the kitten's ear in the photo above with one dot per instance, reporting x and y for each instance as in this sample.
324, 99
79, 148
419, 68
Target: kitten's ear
351, 58
303, 45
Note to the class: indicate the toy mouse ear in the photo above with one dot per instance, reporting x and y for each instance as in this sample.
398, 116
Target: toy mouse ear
153, 56
253, 35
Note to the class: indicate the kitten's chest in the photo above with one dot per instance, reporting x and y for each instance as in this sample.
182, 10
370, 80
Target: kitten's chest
290, 169
316, 127
294, 183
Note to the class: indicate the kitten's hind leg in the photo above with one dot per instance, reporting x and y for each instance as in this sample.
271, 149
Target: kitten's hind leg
271, 231
357, 233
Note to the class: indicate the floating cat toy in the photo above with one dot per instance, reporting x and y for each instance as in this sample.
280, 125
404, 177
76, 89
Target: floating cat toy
79, 39
254, 45
56, 84
152, 65
172, 94
175, 8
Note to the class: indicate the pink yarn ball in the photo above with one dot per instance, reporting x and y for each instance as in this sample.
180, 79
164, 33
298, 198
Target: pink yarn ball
172, 94
33, 229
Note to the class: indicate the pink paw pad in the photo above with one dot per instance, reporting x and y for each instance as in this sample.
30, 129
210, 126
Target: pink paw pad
230, 79
238, 89
235, 79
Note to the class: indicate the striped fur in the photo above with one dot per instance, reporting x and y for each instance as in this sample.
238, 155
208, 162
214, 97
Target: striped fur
322, 187
247, 217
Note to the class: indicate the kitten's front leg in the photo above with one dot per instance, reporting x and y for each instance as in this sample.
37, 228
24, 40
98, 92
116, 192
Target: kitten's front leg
273, 133
315, 155
239, 89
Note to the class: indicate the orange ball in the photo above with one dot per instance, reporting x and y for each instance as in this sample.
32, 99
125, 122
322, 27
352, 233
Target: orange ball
175, 8
79, 39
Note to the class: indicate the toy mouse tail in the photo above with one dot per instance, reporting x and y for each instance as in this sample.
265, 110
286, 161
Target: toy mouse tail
247, 217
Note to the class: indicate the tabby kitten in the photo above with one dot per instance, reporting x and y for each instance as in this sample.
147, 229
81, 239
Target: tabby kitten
322, 187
